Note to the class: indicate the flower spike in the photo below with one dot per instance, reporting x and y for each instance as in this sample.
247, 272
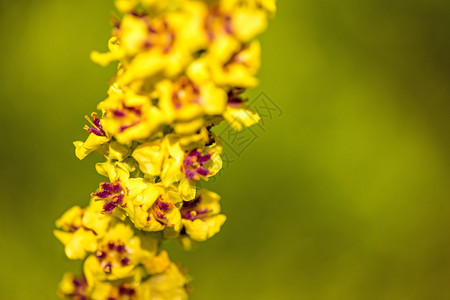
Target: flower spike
183, 66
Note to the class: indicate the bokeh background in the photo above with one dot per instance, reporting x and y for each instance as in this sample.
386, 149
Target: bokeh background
343, 196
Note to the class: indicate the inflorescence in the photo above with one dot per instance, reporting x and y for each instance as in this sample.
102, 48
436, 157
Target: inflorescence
183, 66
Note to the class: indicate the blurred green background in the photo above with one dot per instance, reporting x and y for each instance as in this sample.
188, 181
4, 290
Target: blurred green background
345, 196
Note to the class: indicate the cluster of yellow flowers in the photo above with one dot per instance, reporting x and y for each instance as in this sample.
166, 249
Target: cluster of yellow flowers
183, 66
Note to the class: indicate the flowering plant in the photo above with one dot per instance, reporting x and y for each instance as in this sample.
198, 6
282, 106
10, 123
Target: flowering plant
182, 68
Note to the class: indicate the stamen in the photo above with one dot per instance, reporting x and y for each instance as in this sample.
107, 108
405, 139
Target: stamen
100, 255
187, 162
202, 171
89, 120
202, 211
107, 268
102, 194
111, 187
164, 206
120, 247
109, 207
190, 174
111, 245
204, 158
161, 216
125, 261
96, 127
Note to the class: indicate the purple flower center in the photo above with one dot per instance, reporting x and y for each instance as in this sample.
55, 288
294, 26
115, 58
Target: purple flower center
164, 206
189, 210
113, 193
100, 255
159, 211
193, 164
113, 254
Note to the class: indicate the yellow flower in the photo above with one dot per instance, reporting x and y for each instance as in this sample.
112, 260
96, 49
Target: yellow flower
147, 45
182, 68
120, 190
80, 229
167, 285
230, 23
248, 18
233, 66
201, 218
172, 173
96, 139
155, 209
77, 288
129, 116
164, 158
240, 67
237, 70
150, 156
203, 162
187, 101
117, 255
72, 287
160, 157
179, 168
